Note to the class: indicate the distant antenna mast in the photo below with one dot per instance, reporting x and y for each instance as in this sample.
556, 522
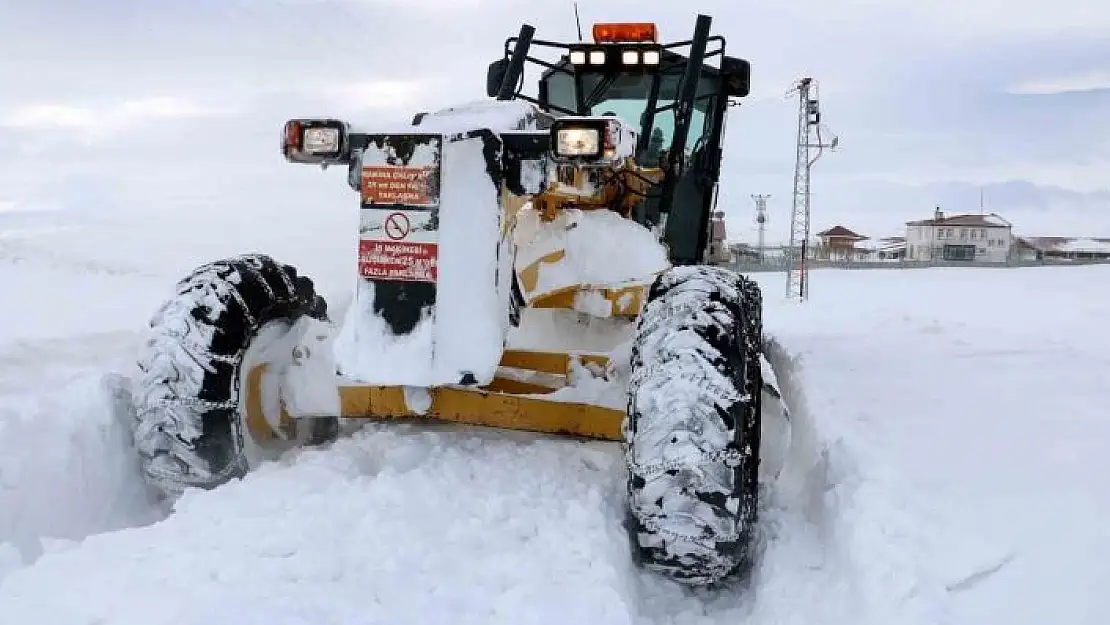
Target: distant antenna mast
578, 21
809, 138
761, 221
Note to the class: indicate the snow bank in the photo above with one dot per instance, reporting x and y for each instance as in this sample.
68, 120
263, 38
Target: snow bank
395, 525
67, 469
66, 466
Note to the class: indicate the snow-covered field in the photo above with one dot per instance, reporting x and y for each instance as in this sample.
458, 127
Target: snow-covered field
955, 468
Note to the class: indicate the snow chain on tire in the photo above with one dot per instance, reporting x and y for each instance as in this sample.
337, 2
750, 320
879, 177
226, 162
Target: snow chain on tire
187, 399
692, 430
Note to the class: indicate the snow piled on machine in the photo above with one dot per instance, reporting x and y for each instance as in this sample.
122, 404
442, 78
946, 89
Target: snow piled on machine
467, 329
590, 258
498, 116
466, 326
602, 249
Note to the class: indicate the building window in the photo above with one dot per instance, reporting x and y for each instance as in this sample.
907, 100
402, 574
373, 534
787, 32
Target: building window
963, 233
974, 234
982, 234
959, 252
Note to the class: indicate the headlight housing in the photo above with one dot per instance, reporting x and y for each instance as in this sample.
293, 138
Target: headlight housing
578, 142
315, 141
592, 140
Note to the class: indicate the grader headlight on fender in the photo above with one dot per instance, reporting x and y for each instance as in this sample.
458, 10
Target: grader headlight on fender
578, 141
315, 141
592, 164
592, 141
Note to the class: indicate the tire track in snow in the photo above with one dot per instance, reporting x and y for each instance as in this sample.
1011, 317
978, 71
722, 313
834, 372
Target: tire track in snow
874, 530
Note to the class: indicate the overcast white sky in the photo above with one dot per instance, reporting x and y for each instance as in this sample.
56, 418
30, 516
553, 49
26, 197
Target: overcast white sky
156, 107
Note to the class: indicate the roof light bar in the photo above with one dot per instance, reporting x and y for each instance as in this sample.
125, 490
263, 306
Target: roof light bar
635, 32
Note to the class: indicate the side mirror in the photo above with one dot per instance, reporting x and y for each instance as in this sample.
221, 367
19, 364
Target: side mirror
736, 75
495, 75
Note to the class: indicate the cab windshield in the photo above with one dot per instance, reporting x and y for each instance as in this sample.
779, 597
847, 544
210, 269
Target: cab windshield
626, 96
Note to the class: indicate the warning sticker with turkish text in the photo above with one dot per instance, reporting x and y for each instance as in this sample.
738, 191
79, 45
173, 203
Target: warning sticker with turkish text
395, 260
406, 186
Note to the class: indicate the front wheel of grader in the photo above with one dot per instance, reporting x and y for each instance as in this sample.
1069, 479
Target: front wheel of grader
692, 431
189, 427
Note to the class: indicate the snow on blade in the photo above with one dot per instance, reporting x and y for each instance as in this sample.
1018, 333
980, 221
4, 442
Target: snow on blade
587, 237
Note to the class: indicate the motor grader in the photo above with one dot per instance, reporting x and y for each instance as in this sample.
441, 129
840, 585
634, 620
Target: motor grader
531, 262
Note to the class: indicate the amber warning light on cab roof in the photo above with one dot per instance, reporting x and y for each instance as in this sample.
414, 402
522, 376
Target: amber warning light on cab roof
638, 32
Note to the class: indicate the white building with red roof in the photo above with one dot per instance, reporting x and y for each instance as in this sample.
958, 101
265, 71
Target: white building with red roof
965, 238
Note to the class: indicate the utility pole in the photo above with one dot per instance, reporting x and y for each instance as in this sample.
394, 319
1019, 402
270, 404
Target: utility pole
761, 221
809, 138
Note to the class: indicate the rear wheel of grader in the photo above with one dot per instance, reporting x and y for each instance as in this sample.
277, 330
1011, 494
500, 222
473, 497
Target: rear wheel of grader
189, 430
692, 431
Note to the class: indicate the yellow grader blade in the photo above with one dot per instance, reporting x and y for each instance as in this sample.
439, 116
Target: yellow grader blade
506, 403
486, 408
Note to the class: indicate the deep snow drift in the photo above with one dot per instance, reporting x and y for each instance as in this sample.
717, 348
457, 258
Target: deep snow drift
952, 470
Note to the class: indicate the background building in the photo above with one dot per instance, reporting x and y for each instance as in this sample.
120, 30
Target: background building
838, 243
884, 249
1060, 248
970, 238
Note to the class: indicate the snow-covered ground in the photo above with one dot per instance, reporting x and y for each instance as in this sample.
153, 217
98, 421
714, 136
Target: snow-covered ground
954, 469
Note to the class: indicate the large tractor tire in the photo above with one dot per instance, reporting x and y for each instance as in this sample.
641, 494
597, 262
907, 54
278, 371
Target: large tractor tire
190, 431
692, 431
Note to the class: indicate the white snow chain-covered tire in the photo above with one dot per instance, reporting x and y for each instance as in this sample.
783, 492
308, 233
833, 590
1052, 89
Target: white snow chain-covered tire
691, 435
188, 431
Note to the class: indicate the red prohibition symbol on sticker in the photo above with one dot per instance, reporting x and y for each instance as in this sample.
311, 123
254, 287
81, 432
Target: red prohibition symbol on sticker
397, 226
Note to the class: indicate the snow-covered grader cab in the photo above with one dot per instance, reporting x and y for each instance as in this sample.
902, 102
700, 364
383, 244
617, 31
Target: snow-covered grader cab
535, 263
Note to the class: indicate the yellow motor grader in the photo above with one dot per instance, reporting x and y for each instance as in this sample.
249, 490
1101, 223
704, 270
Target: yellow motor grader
530, 262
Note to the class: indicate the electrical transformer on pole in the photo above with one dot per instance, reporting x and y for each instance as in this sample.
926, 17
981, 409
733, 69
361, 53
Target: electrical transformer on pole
810, 138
